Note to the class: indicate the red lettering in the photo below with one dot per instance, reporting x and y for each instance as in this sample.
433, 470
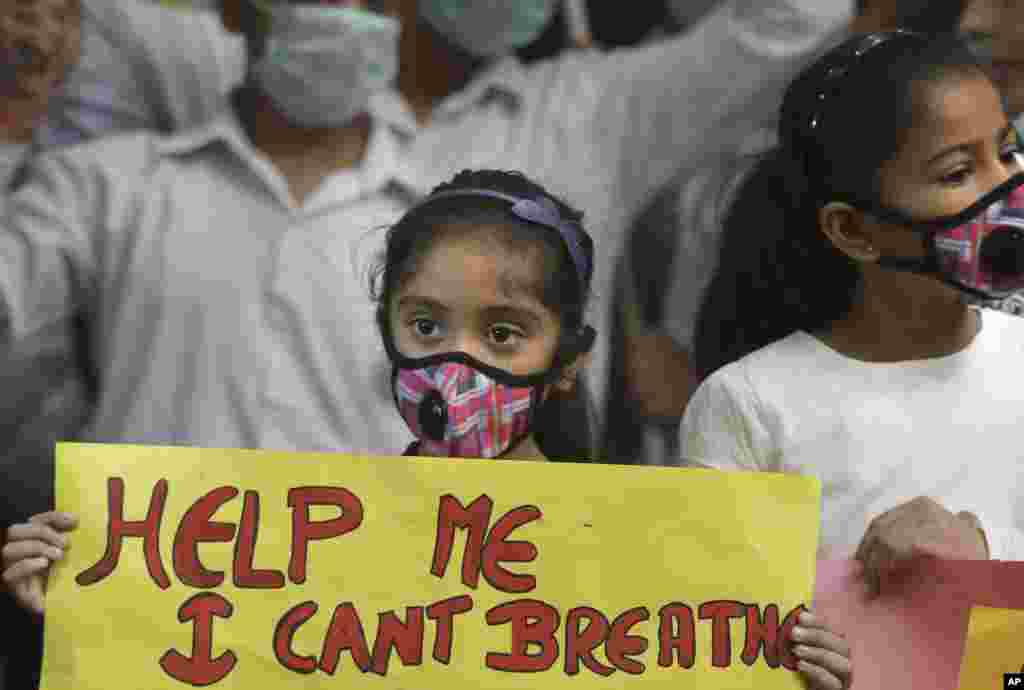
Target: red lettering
451, 514
785, 648
498, 550
345, 634
200, 669
196, 527
720, 612
304, 531
581, 645
248, 528
676, 635
118, 528
762, 631
533, 622
621, 645
285, 632
406, 638
444, 612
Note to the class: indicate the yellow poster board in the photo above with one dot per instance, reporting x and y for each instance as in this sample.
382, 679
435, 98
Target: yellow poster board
252, 569
995, 646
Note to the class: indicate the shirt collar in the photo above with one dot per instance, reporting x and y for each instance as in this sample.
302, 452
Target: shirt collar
225, 127
505, 79
377, 173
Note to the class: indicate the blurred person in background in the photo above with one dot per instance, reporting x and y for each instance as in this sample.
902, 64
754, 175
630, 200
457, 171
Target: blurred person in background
652, 377
74, 71
44, 396
40, 45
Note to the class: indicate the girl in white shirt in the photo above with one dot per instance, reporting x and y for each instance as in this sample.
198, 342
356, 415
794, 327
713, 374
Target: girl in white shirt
838, 338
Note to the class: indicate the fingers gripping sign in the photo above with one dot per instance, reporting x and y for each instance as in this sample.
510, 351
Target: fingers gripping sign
39, 46
921, 528
823, 653
30, 550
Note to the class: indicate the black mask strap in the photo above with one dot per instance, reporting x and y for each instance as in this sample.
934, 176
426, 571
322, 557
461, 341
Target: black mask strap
927, 265
897, 217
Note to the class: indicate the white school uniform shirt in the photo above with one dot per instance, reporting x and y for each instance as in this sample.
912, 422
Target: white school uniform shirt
876, 434
287, 356
223, 315
705, 193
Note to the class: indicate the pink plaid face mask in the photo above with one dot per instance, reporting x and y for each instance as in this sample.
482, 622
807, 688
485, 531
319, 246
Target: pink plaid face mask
979, 251
457, 410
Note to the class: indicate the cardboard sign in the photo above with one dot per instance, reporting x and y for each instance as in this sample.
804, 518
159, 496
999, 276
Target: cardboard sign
251, 569
914, 635
995, 647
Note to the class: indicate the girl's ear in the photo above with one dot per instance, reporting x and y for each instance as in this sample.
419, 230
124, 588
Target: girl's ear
846, 229
567, 381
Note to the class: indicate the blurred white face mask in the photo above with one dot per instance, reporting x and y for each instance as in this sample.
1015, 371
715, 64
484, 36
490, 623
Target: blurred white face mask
488, 28
322, 64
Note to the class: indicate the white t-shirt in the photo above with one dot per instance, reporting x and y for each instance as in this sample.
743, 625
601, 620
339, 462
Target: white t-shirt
877, 434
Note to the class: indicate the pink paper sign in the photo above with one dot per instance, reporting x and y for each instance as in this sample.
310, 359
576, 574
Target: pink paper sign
912, 636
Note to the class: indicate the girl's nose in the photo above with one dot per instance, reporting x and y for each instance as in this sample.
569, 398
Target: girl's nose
469, 344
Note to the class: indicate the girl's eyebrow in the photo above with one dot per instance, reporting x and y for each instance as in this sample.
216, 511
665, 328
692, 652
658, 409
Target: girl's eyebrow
512, 311
411, 301
967, 146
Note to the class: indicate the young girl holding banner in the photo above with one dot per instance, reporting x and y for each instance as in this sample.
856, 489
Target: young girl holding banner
481, 301
838, 337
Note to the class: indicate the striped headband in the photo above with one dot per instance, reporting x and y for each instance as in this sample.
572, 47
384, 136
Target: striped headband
541, 211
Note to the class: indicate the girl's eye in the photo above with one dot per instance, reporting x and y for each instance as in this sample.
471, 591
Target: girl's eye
426, 328
504, 335
957, 177
1011, 154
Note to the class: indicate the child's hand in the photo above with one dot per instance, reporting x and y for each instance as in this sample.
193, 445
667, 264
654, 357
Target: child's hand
30, 550
824, 656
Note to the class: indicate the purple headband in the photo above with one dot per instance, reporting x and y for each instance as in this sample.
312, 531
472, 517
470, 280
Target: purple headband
541, 211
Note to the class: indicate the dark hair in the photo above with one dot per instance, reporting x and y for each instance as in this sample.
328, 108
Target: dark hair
777, 272
254, 25
561, 289
930, 16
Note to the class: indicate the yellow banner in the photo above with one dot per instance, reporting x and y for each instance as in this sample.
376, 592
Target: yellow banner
252, 569
995, 646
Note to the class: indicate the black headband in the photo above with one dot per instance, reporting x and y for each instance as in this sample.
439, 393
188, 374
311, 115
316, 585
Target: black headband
805, 110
